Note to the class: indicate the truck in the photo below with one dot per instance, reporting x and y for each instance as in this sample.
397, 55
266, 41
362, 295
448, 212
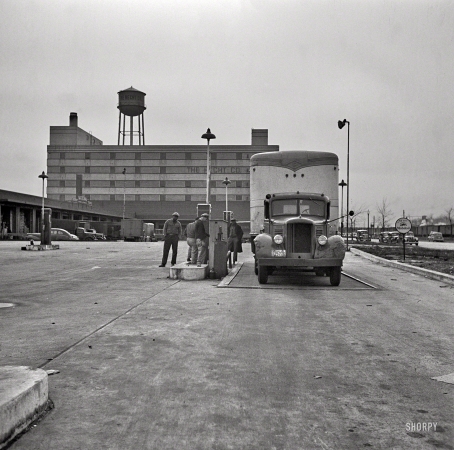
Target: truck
132, 229
293, 195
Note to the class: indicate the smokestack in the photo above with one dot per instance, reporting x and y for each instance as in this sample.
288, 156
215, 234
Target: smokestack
73, 119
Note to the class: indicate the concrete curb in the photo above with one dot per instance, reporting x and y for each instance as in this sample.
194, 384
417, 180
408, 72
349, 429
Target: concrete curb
23, 398
406, 267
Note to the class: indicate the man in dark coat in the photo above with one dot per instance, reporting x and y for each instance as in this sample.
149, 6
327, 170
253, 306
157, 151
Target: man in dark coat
235, 239
172, 233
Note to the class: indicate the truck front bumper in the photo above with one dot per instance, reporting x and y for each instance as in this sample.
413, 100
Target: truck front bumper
299, 262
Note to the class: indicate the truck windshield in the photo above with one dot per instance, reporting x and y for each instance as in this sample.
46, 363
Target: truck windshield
295, 207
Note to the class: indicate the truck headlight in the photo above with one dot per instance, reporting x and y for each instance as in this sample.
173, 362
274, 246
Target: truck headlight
322, 240
278, 239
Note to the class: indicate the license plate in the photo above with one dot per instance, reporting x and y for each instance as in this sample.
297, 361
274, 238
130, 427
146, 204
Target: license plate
278, 253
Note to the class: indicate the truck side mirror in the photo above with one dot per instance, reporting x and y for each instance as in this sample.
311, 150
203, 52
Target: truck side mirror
351, 213
328, 210
266, 205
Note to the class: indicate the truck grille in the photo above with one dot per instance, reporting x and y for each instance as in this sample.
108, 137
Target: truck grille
299, 236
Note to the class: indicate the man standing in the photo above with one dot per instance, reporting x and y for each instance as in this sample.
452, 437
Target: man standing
190, 239
235, 239
201, 237
172, 232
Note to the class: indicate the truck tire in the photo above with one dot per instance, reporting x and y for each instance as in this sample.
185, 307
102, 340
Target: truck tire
262, 274
335, 276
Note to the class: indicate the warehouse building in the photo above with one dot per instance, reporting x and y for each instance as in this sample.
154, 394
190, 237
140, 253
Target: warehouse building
149, 182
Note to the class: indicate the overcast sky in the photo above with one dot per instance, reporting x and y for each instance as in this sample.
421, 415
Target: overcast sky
295, 67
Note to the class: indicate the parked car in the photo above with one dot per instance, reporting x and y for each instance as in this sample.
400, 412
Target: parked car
435, 236
362, 236
411, 239
395, 237
56, 234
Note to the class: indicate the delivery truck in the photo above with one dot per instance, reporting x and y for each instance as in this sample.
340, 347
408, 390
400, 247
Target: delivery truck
294, 195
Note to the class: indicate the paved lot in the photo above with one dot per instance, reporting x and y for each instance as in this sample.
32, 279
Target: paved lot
151, 363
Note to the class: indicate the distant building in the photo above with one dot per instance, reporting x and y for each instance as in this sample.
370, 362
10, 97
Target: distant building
158, 180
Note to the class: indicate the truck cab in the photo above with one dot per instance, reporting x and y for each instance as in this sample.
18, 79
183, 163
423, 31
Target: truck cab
296, 234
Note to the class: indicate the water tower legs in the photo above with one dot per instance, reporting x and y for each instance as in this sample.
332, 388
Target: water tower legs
139, 132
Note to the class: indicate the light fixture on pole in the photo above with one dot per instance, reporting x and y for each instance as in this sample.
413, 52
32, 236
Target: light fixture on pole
342, 184
226, 182
43, 176
368, 212
341, 124
124, 191
208, 135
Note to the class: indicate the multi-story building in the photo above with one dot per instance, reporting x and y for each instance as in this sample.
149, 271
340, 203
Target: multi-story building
149, 181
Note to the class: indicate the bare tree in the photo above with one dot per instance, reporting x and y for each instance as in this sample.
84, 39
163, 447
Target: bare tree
384, 212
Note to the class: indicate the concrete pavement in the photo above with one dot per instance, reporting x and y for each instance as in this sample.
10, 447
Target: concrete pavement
149, 362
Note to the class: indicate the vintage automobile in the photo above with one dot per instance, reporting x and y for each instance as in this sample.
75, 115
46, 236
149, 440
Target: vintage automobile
411, 239
57, 234
362, 236
435, 236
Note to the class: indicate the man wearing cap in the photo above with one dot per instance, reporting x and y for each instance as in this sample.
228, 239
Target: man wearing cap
201, 237
172, 232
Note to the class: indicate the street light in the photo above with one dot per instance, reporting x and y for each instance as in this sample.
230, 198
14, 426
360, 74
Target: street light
368, 212
226, 182
208, 135
342, 184
124, 191
43, 176
341, 124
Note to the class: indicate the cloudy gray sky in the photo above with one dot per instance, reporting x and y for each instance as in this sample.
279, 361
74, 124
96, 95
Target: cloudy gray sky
295, 67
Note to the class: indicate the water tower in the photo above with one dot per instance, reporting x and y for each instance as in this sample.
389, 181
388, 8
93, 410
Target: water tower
131, 103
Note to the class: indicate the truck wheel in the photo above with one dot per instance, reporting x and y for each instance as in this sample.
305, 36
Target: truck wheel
262, 274
335, 276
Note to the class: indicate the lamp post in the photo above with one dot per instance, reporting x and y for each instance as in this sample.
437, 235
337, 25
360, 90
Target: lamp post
124, 191
43, 176
342, 184
341, 124
208, 135
368, 212
226, 182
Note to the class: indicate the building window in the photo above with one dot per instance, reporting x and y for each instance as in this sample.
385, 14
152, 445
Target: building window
187, 198
87, 169
187, 184
112, 184
137, 169
112, 197
112, 169
112, 155
138, 156
62, 183
62, 155
87, 155
163, 170
137, 183
87, 183
62, 169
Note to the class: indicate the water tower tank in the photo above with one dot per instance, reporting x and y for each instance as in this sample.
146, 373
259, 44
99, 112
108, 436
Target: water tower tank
131, 102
